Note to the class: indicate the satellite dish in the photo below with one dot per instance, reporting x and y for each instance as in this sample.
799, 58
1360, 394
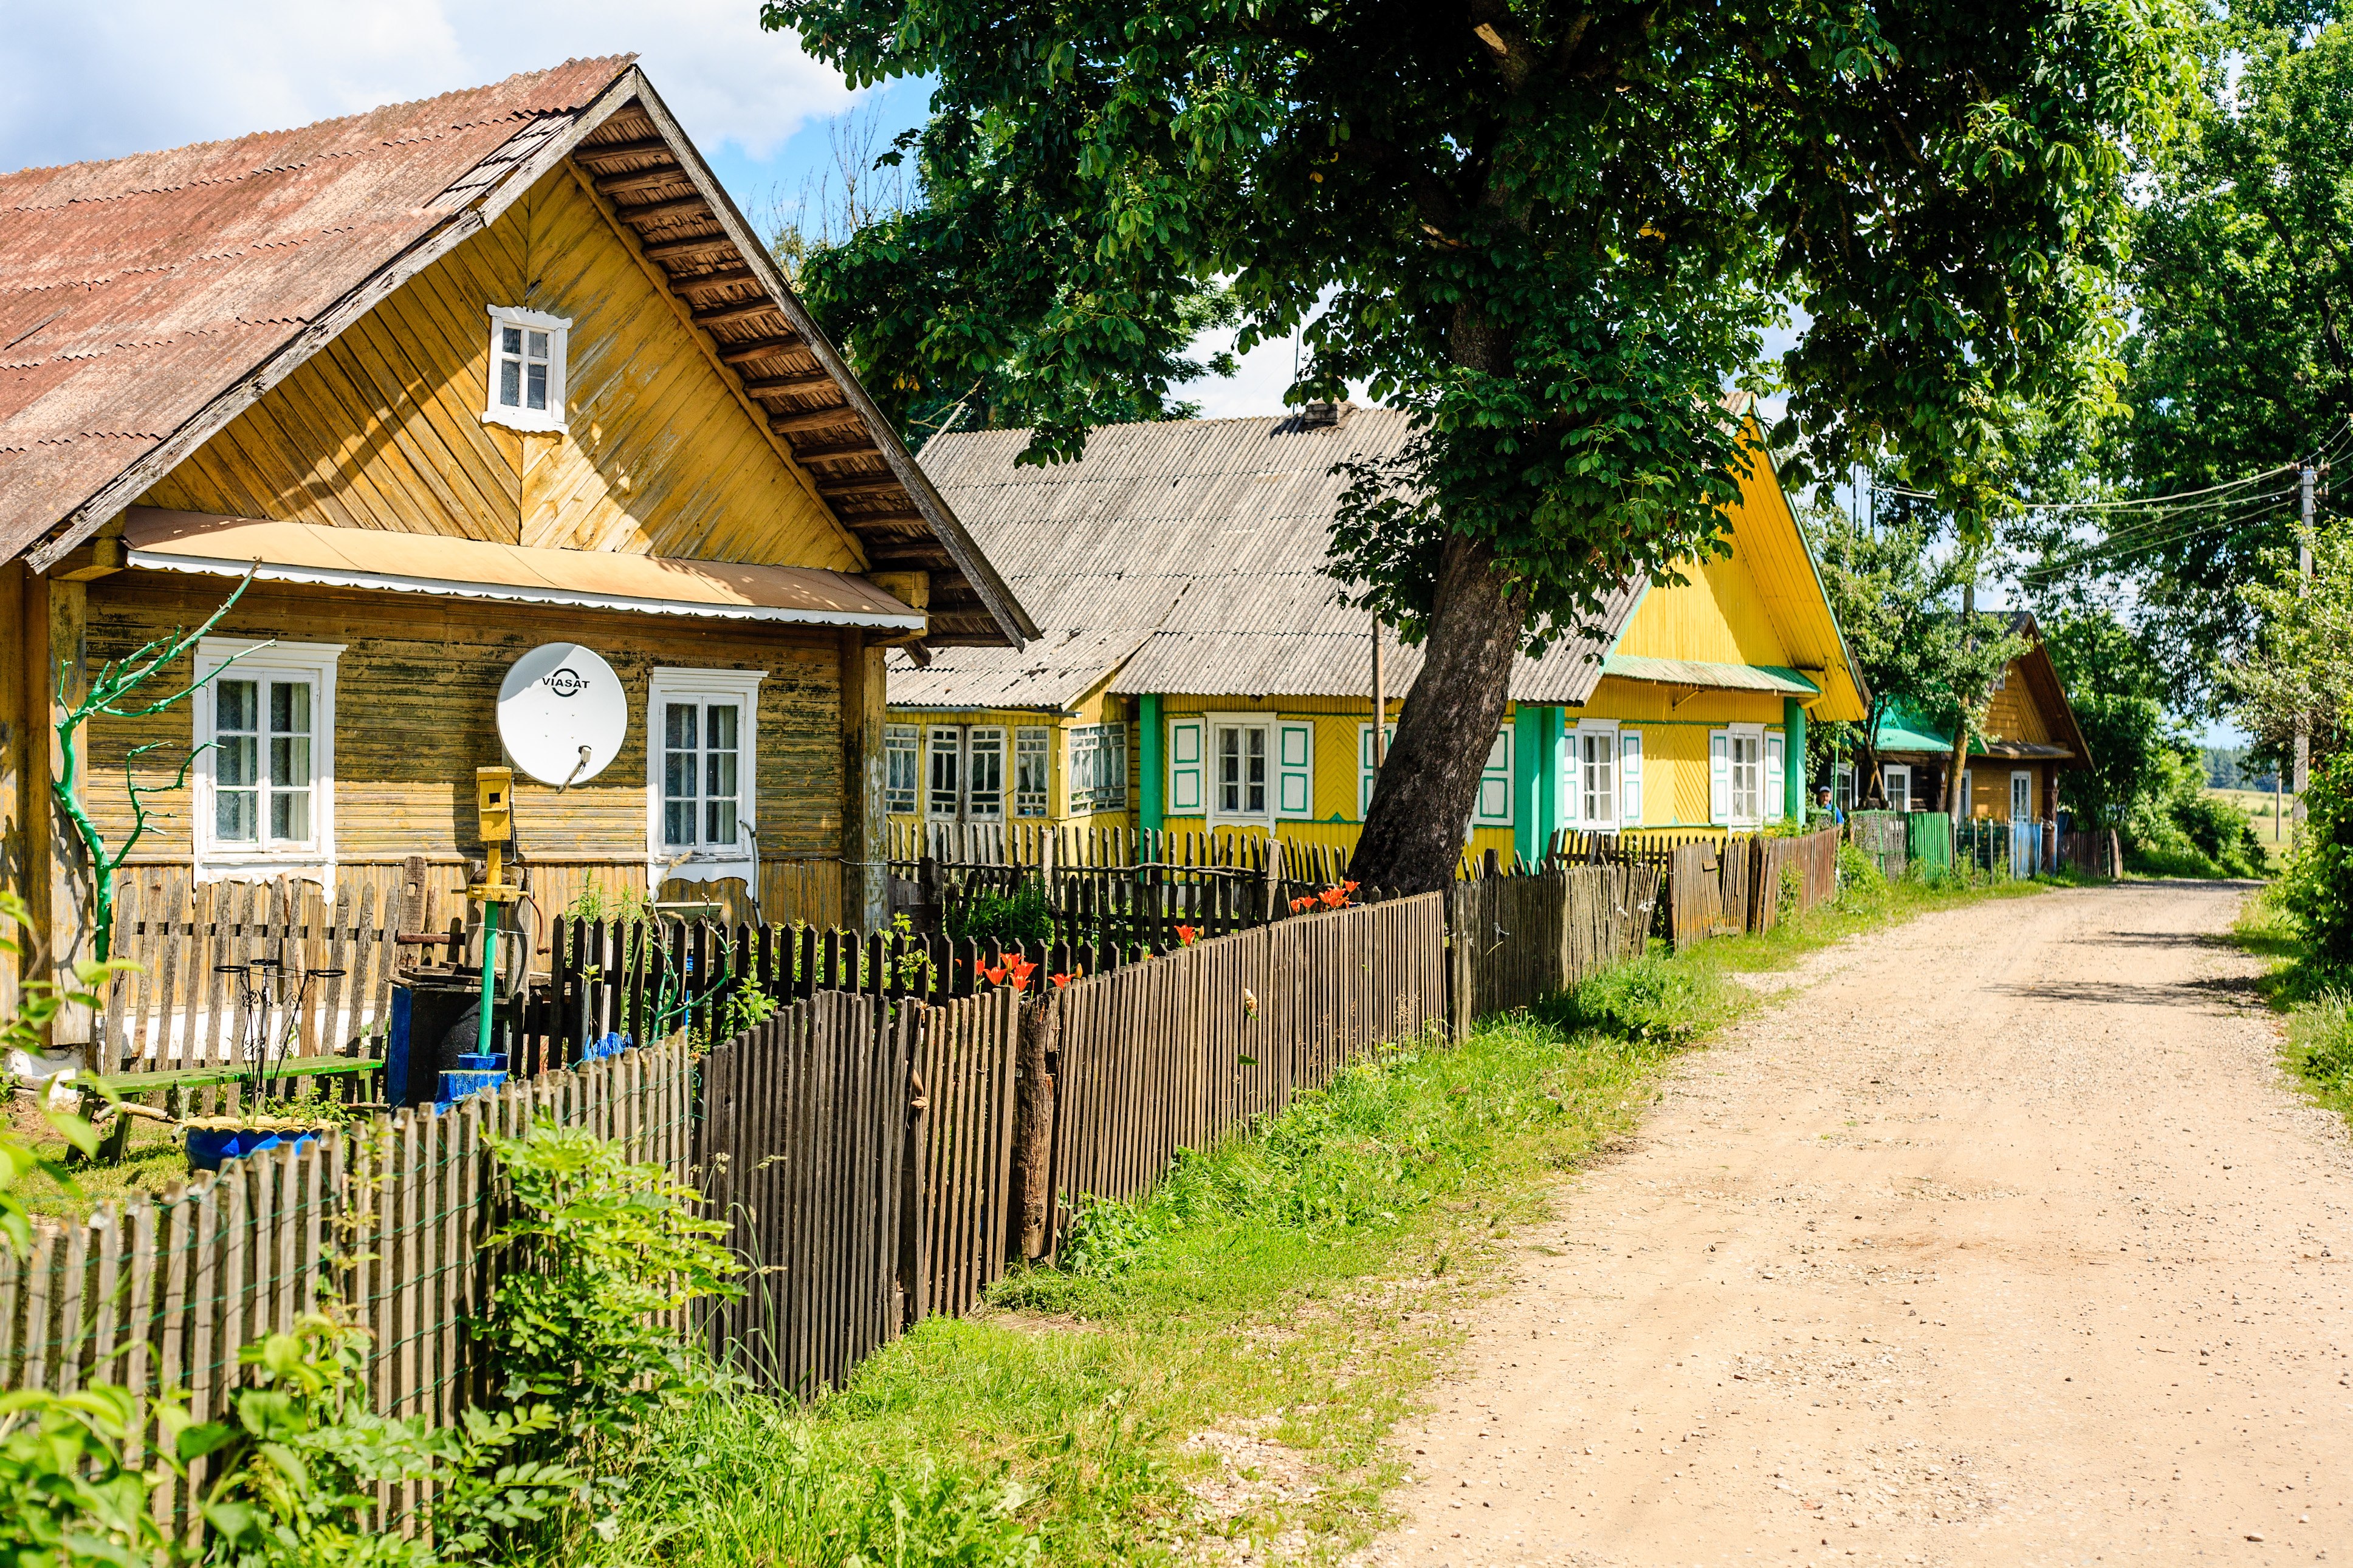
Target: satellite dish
562, 713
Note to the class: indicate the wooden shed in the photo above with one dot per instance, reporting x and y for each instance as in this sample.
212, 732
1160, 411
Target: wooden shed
453, 379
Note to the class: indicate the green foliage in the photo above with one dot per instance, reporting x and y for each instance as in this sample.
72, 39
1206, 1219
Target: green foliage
633, 905
1862, 885
1022, 916
1896, 589
67, 1497
2175, 829
2116, 689
598, 1244
1535, 234
2302, 662
2317, 892
39, 1004
299, 1459
1651, 1000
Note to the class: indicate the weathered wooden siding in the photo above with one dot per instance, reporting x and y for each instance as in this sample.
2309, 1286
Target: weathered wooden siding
416, 712
383, 428
2013, 714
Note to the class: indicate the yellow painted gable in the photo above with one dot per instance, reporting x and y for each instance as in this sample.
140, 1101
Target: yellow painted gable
1716, 617
662, 454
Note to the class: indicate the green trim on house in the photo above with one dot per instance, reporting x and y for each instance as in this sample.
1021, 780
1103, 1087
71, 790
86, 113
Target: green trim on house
1530, 826
1793, 761
1152, 768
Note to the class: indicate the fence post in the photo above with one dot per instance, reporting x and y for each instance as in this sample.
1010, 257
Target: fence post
1033, 1123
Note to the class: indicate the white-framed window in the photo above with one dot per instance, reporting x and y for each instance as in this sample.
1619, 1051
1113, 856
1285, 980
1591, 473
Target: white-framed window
1842, 784
265, 768
1099, 768
1594, 777
984, 774
1896, 782
2021, 796
902, 769
963, 772
1366, 771
1630, 777
943, 773
1964, 799
1033, 759
1187, 767
1735, 767
1242, 768
527, 350
702, 773
1493, 807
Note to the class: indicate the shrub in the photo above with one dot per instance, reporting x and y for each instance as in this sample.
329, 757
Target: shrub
597, 1246
2320, 1038
2318, 890
67, 1498
1023, 916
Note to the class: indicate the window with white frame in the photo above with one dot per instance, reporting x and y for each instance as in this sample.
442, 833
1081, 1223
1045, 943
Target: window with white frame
963, 772
984, 770
1098, 768
1736, 761
1240, 774
264, 772
943, 775
702, 768
903, 768
527, 350
1032, 768
1597, 774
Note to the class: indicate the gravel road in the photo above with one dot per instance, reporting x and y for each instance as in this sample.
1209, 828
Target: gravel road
2000, 1239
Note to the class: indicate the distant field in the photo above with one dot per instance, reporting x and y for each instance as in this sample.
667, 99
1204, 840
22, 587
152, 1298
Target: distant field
2257, 805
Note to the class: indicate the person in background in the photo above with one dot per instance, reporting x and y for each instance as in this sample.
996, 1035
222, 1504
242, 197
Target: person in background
1828, 807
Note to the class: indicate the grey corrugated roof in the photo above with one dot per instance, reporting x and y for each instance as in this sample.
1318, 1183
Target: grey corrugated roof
1193, 550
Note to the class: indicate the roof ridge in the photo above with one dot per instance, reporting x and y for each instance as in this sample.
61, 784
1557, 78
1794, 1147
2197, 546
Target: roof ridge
619, 62
1093, 430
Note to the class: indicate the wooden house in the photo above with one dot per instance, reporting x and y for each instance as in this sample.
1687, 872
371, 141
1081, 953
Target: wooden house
454, 379
1195, 671
2029, 737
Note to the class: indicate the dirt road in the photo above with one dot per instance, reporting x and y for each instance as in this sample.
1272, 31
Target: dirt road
2002, 1242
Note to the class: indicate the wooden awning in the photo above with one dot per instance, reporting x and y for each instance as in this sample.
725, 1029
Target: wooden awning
481, 569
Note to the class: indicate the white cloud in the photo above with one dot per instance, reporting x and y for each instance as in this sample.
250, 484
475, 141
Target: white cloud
98, 81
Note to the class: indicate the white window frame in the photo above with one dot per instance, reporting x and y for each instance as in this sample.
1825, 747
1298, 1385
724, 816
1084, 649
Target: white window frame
1733, 739
926, 792
1890, 771
903, 740
979, 740
1594, 735
1033, 747
2025, 776
219, 861
1097, 751
1964, 797
516, 417
1366, 773
1842, 785
664, 686
1212, 786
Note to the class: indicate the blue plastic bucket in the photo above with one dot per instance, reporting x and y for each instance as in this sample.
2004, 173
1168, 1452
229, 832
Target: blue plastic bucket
208, 1146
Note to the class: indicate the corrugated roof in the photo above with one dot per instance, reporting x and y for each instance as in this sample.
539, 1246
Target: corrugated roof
132, 290
1198, 546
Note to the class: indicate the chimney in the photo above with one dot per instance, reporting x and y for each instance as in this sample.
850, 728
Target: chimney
1324, 415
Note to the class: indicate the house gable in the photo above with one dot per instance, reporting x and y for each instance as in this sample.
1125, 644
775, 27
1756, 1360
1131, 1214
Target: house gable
660, 453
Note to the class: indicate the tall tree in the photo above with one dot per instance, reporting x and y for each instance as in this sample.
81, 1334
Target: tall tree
2241, 359
1553, 231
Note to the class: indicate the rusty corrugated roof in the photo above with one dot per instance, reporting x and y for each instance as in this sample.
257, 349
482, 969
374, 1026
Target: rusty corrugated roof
132, 291
1188, 555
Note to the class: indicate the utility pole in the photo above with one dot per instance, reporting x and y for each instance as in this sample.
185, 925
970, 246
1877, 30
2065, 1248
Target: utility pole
2302, 775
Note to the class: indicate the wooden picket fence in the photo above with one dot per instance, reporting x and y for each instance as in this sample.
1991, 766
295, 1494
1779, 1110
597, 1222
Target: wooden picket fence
1515, 939
1813, 859
386, 1218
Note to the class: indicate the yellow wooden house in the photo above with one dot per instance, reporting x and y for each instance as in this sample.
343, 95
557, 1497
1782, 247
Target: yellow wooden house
454, 380
1194, 670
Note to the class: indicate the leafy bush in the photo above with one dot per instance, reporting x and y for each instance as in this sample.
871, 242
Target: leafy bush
1023, 916
67, 1498
2175, 829
597, 1246
1649, 999
2318, 889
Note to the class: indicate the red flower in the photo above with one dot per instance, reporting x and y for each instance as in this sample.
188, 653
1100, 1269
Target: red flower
1333, 897
995, 976
1302, 903
1061, 980
1021, 968
1184, 935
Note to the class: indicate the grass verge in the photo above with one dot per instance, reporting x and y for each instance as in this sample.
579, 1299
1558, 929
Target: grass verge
1215, 1370
2319, 1049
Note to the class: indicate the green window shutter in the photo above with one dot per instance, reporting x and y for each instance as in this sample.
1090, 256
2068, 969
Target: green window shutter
1719, 777
1774, 787
1494, 808
1630, 777
1186, 797
1294, 770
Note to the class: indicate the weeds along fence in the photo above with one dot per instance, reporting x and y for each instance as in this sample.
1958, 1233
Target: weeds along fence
387, 1218
1516, 939
1712, 885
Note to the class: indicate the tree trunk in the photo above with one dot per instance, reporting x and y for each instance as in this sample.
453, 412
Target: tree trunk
1426, 791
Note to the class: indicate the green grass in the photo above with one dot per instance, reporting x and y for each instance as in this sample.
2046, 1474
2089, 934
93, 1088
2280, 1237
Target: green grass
2318, 1050
1284, 1299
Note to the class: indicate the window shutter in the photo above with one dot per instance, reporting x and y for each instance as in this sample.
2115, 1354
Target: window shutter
1630, 778
1774, 784
1185, 769
1294, 770
1494, 805
1719, 776
1364, 766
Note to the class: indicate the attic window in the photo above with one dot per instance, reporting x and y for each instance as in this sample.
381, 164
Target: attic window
526, 389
